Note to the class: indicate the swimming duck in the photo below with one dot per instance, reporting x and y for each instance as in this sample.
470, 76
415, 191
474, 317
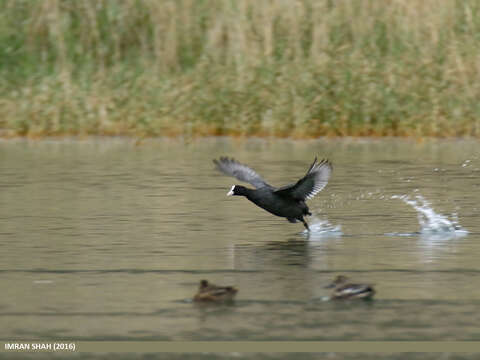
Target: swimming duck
287, 201
345, 290
208, 292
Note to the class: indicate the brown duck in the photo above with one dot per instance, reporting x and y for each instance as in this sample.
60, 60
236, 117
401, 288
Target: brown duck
344, 290
208, 292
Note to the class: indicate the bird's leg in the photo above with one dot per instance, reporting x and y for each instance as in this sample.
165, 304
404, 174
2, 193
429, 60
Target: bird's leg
305, 223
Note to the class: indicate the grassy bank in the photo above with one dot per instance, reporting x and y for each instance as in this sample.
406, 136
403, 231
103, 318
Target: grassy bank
206, 67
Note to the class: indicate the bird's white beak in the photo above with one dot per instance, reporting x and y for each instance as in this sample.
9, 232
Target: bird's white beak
230, 193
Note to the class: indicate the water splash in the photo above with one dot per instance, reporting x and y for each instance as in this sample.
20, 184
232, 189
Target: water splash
322, 228
432, 223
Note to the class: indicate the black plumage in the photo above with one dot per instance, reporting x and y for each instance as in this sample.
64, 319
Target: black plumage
287, 201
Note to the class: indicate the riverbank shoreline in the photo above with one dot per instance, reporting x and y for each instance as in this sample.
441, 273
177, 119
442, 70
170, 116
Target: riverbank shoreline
136, 140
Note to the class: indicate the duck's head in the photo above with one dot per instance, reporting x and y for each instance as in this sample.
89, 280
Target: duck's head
237, 190
339, 280
203, 284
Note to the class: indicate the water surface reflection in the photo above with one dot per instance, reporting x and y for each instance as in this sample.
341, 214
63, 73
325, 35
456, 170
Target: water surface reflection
102, 239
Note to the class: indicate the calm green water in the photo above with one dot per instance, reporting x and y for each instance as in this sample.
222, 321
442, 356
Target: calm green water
102, 239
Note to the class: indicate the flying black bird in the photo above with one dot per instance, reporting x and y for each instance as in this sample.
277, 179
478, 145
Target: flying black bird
287, 201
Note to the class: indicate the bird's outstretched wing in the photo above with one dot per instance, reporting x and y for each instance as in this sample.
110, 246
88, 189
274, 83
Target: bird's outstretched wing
311, 184
240, 171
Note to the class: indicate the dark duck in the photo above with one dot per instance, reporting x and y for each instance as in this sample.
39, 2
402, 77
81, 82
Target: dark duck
287, 201
208, 292
344, 290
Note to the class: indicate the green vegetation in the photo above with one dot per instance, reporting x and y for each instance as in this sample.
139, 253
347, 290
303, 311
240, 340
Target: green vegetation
299, 68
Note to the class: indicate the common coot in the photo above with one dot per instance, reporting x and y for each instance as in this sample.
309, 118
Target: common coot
287, 201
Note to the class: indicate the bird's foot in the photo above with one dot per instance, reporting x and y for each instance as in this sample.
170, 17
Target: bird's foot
306, 225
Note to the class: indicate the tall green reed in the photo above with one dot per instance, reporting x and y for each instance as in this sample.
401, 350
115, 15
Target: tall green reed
272, 67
